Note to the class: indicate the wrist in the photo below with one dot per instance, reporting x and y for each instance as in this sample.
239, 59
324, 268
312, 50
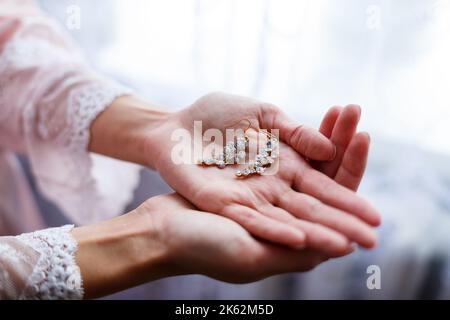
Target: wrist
157, 141
120, 253
123, 130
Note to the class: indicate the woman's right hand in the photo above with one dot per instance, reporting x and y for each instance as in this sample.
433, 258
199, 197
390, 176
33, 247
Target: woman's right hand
200, 242
166, 236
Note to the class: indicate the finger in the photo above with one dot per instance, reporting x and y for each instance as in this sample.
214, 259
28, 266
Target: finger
354, 162
318, 237
341, 136
307, 141
308, 208
266, 228
310, 143
329, 121
325, 189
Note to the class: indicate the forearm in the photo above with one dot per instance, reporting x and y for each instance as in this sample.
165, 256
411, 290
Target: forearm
121, 131
119, 254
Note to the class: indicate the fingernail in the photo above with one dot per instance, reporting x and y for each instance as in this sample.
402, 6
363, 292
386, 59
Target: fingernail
360, 112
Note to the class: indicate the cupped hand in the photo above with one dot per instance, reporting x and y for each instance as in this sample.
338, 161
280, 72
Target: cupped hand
198, 242
297, 206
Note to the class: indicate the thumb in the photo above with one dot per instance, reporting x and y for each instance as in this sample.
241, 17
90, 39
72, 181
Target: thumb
305, 140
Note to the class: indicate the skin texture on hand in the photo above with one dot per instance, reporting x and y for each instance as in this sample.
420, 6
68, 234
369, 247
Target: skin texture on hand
298, 206
120, 253
153, 242
219, 247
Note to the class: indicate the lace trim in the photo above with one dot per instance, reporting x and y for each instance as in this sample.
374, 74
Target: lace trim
85, 104
56, 275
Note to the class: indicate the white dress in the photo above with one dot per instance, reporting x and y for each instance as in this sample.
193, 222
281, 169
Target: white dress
48, 100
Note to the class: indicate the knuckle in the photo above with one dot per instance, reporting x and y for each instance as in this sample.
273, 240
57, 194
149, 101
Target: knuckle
269, 107
352, 171
299, 138
267, 113
247, 216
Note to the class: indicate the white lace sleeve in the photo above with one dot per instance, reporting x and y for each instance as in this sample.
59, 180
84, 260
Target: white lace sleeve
40, 265
49, 98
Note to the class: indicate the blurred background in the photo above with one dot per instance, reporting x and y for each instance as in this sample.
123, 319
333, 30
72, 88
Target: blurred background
390, 57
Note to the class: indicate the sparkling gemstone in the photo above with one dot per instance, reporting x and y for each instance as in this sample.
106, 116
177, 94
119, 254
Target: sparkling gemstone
220, 164
229, 159
260, 170
240, 156
264, 161
246, 171
229, 149
229, 154
239, 173
240, 143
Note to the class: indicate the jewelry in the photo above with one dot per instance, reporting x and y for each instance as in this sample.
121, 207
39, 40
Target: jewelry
263, 160
236, 152
233, 152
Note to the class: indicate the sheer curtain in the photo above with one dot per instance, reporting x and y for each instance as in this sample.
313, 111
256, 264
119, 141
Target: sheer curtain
389, 56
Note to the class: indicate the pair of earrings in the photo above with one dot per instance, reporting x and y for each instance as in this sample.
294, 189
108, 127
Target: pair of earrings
236, 152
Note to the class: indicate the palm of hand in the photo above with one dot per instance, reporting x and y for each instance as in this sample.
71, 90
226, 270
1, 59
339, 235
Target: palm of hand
223, 250
297, 206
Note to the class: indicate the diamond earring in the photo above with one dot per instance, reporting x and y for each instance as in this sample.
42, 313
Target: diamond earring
263, 160
233, 152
